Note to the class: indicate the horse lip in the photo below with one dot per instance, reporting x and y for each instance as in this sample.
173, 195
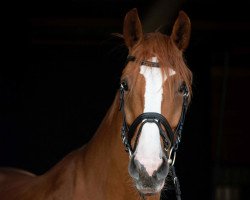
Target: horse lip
148, 190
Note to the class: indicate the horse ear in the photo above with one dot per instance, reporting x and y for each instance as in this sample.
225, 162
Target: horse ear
181, 31
132, 29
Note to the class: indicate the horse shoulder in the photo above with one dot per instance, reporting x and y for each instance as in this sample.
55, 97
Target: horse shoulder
9, 175
11, 179
61, 182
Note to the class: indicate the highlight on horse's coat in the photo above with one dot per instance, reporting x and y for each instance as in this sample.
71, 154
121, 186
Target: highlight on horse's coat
146, 119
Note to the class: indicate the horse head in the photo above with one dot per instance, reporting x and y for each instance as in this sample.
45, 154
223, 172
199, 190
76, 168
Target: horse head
154, 94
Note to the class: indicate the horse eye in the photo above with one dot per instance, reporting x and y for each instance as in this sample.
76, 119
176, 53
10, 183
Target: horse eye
124, 84
182, 88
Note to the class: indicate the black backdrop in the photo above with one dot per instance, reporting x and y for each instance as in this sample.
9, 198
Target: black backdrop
60, 70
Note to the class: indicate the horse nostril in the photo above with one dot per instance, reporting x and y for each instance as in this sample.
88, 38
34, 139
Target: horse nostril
163, 170
133, 168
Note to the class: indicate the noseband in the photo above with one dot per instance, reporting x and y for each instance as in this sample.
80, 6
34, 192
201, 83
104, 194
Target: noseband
171, 138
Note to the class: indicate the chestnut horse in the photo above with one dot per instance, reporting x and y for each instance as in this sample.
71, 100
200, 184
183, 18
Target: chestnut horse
148, 111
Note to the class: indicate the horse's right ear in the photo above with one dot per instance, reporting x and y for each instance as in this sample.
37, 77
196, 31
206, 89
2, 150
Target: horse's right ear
132, 29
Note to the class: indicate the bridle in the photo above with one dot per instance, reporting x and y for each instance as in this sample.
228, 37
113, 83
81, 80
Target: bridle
171, 138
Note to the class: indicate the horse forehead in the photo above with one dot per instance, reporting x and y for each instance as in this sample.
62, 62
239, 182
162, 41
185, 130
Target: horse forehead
154, 74
150, 72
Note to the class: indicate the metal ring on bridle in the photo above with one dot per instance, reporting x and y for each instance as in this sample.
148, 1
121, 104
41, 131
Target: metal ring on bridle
130, 153
171, 157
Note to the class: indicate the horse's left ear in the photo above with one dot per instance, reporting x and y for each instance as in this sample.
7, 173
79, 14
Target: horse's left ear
181, 31
132, 29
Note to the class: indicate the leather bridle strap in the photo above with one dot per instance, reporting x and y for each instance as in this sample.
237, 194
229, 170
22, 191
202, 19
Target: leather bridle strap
179, 128
176, 183
125, 128
152, 117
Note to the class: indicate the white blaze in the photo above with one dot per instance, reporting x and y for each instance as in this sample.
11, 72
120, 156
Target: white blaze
149, 151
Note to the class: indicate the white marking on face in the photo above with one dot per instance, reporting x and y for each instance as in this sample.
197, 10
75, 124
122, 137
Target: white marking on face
149, 151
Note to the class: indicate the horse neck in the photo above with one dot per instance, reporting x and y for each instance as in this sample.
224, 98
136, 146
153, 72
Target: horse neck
98, 170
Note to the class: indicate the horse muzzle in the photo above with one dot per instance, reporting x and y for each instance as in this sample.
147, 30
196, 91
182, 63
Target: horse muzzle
148, 184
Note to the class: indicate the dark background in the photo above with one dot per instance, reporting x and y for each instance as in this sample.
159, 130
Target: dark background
60, 69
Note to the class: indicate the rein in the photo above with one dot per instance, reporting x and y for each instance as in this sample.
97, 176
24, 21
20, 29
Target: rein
171, 138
